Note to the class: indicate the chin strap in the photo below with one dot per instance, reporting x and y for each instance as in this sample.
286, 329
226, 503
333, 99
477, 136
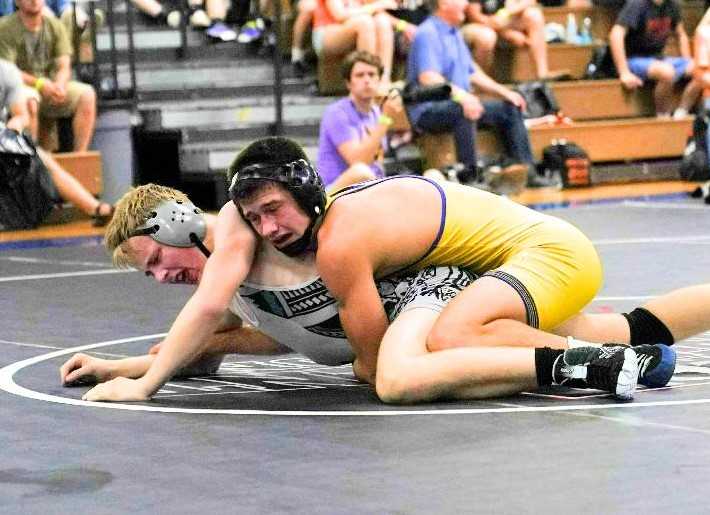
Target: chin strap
301, 245
198, 243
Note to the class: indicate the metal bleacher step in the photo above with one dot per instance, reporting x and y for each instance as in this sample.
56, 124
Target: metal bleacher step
220, 114
214, 158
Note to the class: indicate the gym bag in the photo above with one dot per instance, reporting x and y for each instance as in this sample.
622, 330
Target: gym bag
569, 161
27, 194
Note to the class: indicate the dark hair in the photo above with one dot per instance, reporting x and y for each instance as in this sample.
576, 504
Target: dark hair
359, 56
273, 150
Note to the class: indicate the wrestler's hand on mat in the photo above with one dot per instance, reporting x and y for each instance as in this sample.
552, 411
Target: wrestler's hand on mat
119, 389
82, 369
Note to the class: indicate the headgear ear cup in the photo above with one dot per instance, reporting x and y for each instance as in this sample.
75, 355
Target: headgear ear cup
176, 223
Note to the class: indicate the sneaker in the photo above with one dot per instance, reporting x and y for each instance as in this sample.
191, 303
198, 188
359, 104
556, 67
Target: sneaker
612, 368
656, 364
680, 114
173, 19
251, 31
199, 19
221, 32
508, 180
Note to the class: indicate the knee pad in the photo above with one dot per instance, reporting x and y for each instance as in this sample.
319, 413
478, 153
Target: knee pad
646, 328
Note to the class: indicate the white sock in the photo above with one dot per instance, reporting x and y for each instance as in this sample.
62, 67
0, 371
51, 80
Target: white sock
296, 54
573, 343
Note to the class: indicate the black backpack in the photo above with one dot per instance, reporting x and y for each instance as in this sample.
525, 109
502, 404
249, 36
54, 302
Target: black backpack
27, 194
539, 97
601, 65
694, 166
567, 160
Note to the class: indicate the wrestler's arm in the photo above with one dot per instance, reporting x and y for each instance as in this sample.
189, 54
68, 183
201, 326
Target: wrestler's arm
347, 271
231, 338
224, 271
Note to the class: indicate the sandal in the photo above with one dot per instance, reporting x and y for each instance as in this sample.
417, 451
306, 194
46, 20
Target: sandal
99, 220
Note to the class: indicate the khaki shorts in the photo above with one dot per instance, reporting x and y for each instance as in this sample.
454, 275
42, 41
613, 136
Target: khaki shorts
48, 110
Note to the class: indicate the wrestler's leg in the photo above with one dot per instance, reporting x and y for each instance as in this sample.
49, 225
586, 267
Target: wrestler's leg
684, 312
407, 372
488, 313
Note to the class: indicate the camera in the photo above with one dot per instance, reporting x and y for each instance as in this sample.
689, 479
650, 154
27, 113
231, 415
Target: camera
413, 93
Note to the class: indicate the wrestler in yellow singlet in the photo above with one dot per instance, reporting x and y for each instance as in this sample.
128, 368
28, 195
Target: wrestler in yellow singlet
550, 263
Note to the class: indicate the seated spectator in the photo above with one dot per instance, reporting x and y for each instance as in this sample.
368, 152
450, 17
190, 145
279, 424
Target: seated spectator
439, 54
64, 11
353, 129
341, 25
519, 22
39, 46
637, 41
12, 99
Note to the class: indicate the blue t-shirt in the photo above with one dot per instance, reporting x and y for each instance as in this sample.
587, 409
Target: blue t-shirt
343, 122
439, 47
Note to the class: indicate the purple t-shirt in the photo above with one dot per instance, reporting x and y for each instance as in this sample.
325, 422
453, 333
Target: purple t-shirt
342, 122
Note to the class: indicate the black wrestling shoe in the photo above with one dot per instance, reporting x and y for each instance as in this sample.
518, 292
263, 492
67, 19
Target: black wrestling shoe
610, 368
656, 364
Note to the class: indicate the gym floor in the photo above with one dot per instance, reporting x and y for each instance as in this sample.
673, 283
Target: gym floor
280, 434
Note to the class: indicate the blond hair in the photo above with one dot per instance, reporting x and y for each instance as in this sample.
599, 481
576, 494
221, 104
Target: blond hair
132, 210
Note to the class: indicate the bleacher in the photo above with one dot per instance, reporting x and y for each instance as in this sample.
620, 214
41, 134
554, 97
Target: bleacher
198, 104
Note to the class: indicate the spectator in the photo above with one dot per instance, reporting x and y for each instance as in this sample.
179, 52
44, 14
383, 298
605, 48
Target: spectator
637, 41
63, 10
519, 22
39, 46
353, 129
13, 101
341, 25
439, 54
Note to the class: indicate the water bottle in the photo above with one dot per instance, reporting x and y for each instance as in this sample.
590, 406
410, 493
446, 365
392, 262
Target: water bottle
585, 36
571, 33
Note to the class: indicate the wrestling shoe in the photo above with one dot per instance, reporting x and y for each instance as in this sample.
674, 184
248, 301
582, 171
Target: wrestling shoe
656, 364
610, 368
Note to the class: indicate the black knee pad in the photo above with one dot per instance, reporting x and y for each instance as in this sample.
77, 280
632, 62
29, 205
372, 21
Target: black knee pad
646, 328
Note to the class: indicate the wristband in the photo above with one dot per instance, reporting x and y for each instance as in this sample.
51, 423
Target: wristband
39, 83
457, 96
503, 13
385, 120
400, 26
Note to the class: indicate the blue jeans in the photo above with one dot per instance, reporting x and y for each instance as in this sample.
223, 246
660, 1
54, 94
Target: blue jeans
501, 116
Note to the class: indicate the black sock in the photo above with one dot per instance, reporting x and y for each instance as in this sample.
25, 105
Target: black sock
544, 362
646, 328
